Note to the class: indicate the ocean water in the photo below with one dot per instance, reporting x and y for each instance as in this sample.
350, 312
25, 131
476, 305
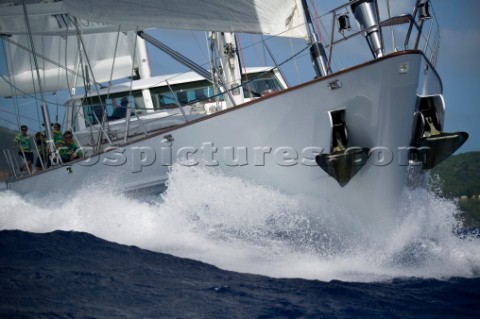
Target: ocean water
218, 247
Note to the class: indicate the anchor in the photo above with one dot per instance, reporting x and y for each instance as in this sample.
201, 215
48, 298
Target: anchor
435, 146
343, 162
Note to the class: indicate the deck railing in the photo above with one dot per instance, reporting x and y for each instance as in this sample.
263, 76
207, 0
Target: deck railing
418, 30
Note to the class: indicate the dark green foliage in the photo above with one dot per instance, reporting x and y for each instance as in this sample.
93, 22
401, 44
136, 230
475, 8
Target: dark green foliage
471, 212
6, 137
459, 177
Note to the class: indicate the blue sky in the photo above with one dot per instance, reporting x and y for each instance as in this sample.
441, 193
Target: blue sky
458, 65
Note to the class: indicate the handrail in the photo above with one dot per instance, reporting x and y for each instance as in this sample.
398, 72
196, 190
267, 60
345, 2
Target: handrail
8, 158
425, 39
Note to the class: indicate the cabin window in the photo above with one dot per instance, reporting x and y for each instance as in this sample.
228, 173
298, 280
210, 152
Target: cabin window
139, 104
189, 93
164, 100
261, 84
95, 108
113, 107
93, 114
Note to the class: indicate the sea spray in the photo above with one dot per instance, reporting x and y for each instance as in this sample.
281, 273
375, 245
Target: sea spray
235, 225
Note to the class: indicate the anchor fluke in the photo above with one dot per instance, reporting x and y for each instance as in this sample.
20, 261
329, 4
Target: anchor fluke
343, 165
435, 148
344, 161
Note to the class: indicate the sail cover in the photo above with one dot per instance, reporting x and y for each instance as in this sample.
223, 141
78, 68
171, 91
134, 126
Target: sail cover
58, 52
270, 17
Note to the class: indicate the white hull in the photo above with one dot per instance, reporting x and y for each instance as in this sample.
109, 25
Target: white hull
379, 102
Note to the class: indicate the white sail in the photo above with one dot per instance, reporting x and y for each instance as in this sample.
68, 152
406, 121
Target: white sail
59, 63
270, 17
45, 18
57, 49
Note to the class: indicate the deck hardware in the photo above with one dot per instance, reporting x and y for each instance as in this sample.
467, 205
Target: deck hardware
335, 84
343, 162
343, 22
424, 11
168, 138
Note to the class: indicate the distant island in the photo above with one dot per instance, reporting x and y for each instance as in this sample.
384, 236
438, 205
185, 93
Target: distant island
459, 178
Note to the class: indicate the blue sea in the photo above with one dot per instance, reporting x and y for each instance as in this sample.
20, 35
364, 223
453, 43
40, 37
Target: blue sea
214, 246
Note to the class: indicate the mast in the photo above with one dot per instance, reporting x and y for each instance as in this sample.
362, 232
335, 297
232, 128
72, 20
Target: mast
317, 51
187, 62
144, 70
230, 66
142, 59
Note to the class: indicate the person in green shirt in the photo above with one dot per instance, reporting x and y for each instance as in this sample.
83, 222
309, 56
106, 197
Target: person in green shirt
57, 134
22, 142
68, 149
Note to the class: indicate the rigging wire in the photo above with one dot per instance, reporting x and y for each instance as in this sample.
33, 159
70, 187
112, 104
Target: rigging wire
45, 113
391, 28
113, 60
33, 78
200, 49
319, 30
134, 56
58, 78
260, 55
42, 47
132, 73
70, 88
12, 87
297, 72
66, 56
31, 48
264, 48
323, 26
239, 49
242, 49
109, 86
23, 93
21, 116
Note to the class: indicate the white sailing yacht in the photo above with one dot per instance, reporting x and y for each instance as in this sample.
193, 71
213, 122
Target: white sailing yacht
352, 134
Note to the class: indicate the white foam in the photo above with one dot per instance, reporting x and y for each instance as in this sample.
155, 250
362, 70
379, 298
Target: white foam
237, 226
